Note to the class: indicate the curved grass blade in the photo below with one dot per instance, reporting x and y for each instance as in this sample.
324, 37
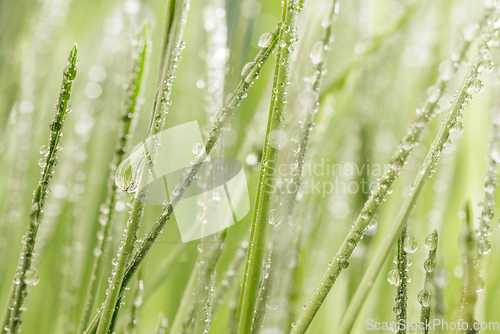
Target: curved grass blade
256, 249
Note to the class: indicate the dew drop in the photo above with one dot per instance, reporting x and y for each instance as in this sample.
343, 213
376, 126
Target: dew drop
198, 149
317, 52
433, 94
429, 265
430, 242
410, 244
485, 66
130, 172
265, 40
393, 277
247, 69
42, 162
479, 284
458, 127
273, 217
484, 247
44, 150
424, 298
31, 277
477, 86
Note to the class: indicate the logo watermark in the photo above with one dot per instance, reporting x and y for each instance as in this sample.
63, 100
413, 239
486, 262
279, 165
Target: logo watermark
218, 195
325, 178
435, 324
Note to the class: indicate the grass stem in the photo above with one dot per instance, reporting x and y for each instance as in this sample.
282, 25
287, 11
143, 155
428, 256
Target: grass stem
260, 220
25, 276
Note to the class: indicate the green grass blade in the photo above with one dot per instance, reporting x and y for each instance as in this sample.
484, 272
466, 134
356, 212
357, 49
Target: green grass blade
402, 288
260, 221
24, 274
425, 295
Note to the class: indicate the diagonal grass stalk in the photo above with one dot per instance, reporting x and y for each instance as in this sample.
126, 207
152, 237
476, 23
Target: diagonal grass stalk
134, 95
451, 123
232, 102
414, 132
25, 276
260, 220
425, 295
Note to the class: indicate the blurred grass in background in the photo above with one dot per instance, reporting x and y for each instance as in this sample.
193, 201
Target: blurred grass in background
360, 124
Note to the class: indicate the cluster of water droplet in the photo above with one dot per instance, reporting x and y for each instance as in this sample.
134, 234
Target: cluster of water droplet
490, 185
399, 277
431, 243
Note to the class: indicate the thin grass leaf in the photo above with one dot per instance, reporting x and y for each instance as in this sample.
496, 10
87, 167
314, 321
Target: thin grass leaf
402, 287
260, 220
26, 276
451, 123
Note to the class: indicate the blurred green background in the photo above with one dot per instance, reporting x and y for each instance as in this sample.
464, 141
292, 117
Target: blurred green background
360, 122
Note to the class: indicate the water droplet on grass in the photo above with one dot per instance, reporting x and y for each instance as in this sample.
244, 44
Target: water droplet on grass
31, 277
265, 40
410, 244
424, 298
393, 277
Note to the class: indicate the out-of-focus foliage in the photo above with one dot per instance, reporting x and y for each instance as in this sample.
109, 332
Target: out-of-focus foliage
376, 79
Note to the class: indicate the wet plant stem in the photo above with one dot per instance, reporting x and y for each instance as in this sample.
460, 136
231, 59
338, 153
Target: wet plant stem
270, 156
425, 295
24, 276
